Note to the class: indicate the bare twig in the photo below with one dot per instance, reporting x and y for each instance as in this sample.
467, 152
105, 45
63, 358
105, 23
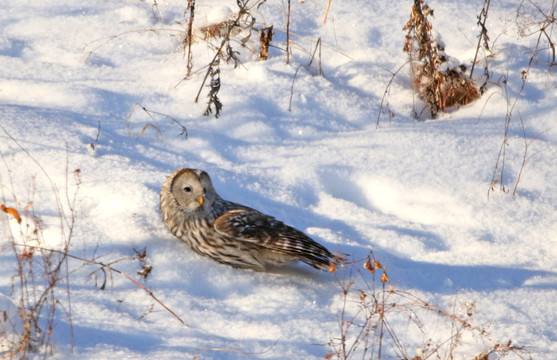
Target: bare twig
367, 330
156, 11
104, 41
40, 271
189, 36
110, 268
214, 90
310, 40
545, 26
288, 33
499, 169
327, 11
525, 157
223, 51
384, 99
150, 113
240, 351
150, 293
317, 45
482, 19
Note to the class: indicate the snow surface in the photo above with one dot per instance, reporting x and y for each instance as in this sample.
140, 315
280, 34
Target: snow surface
413, 191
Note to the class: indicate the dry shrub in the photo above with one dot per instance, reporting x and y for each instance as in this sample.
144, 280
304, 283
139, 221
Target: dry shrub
377, 320
40, 287
215, 30
435, 81
39, 299
238, 27
538, 19
238, 30
529, 15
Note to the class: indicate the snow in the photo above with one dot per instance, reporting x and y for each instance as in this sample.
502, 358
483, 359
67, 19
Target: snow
74, 80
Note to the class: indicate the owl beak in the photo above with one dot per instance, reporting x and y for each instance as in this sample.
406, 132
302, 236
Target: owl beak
200, 200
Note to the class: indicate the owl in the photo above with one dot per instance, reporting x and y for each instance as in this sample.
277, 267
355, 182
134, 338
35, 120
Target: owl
231, 233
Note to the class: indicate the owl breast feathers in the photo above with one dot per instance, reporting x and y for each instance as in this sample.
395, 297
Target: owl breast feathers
231, 233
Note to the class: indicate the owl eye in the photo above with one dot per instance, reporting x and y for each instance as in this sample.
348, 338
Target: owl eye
204, 191
187, 189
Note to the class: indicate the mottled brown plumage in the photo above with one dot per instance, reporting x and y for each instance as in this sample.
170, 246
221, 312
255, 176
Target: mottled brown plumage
231, 233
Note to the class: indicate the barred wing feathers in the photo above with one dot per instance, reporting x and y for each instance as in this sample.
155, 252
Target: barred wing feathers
253, 226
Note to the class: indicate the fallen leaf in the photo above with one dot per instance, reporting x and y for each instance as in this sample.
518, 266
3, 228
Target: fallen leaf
13, 212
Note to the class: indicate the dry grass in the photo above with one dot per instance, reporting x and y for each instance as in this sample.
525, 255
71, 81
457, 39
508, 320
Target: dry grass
41, 283
40, 289
530, 16
153, 116
227, 32
378, 321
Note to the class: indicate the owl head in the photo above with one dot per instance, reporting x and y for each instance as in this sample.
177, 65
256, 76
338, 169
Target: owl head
193, 190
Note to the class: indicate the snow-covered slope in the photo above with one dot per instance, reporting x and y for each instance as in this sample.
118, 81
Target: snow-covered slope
76, 77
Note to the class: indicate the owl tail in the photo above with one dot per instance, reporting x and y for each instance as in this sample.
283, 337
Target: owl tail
320, 258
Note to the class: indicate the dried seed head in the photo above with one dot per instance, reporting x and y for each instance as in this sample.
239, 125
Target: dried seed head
369, 267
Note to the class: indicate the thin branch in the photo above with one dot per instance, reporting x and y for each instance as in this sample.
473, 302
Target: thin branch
317, 45
110, 268
386, 92
150, 113
150, 293
189, 36
288, 34
108, 39
327, 11
482, 19
222, 46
